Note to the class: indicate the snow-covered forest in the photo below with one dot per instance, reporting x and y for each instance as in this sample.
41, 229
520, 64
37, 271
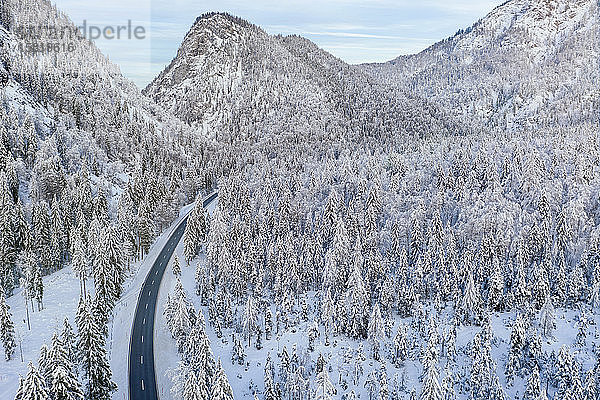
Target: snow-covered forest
425, 228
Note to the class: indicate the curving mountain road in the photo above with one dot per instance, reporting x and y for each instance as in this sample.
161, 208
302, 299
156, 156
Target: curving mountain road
142, 378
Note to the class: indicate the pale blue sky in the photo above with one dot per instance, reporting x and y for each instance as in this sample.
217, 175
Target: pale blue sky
357, 31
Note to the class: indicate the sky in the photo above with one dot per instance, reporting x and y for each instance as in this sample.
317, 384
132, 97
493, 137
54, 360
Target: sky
357, 31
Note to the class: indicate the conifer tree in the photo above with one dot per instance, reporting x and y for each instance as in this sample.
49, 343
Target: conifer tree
400, 345
471, 302
250, 318
221, 388
33, 387
376, 330
356, 303
533, 390
271, 389
68, 339
93, 357
547, 323
176, 267
372, 384
324, 388
496, 290
516, 348
565, 371
7, 329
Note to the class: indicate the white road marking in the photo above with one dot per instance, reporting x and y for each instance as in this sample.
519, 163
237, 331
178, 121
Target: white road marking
153, 281
141, 359
149, 292
144, 322
156, 273
142, 338
142, 384
146, 306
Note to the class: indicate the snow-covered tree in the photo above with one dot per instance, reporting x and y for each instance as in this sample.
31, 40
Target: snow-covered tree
33, 387
250, 317
324, 389
7, 328
221, 390
376, 330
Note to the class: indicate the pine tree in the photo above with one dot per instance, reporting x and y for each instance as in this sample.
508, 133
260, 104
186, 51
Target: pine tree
268, 323
93, 357
541, 286
483, 380
533, 390
194, 387
271, 389
65, 385
516, 348
384, 390
33, 387
68, 339
312, 334
324, 388
221, 388
198, 354
44, 366
176, 267
356, 304
400, 345
80, 261
7, 329
496, 290
182, 319
471, 302
565, 371
376, 330
431, 386
250, 318
38, 284
327, 315
591, 385
372, 384
547, 323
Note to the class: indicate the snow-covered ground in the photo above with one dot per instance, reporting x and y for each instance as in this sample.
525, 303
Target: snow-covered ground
121, 324
61, 294
246, 379
165, 349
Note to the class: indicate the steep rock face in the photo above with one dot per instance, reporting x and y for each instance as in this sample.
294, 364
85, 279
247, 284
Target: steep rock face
239, 83
528, 64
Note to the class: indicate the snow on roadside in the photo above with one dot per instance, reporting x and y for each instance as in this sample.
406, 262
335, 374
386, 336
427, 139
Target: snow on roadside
61, 294
120, 326
166, 356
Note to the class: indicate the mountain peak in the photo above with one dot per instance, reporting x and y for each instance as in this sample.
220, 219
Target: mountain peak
512, 56
223, 17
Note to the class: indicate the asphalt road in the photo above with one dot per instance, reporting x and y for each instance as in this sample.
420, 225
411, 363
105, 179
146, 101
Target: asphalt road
142, 378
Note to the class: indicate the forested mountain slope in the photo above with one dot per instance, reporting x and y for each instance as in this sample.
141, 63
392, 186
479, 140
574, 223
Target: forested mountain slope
528, 64
90, 172
231, 78
71, 112
401, 255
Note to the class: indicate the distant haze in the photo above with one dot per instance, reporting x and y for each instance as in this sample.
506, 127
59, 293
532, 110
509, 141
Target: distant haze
356, 31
